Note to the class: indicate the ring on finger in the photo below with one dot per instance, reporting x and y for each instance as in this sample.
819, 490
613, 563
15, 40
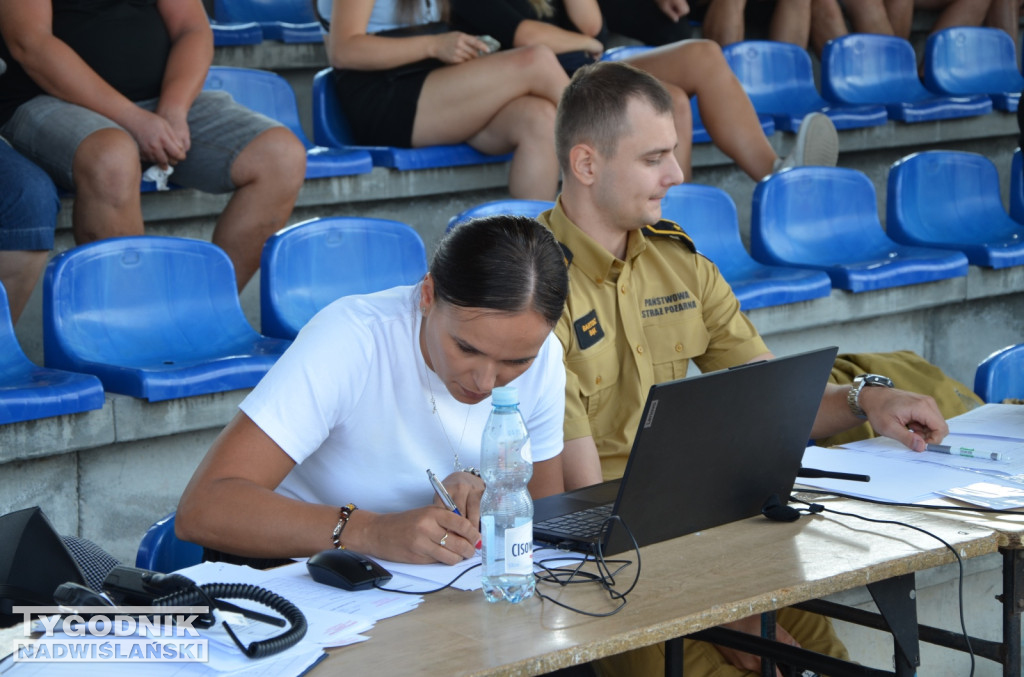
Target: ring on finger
444, 539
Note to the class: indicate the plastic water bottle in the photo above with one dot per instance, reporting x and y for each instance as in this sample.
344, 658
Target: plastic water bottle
506, 509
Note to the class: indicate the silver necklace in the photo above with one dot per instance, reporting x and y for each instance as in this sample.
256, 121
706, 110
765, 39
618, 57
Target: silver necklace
457, 464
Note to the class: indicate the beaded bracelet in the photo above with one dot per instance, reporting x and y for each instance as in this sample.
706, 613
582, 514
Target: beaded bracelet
344, 512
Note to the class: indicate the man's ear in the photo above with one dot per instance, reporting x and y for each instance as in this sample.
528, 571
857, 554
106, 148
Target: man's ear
583, 161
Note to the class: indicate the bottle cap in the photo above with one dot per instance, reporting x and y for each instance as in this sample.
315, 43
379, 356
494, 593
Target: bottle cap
505, 396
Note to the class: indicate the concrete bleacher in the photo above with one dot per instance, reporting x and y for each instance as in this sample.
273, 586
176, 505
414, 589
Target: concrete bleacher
108, 474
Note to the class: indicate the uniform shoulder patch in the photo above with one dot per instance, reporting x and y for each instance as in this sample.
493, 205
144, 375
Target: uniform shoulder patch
666, 228
588, 330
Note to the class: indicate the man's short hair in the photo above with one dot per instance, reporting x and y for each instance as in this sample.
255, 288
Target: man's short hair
593, 106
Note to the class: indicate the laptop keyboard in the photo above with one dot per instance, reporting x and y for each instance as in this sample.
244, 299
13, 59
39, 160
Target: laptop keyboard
585, 524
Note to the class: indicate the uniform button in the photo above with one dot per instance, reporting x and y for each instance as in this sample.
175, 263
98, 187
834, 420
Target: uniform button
640, 349
599, 280
597, 381
623, 288
679, 347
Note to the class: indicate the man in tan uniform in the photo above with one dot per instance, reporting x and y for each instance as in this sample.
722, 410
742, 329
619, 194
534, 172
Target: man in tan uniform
643, 303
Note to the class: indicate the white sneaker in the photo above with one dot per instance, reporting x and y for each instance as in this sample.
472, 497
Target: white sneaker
817, 144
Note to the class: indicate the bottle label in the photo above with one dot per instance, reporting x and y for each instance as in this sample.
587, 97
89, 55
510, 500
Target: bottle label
527, 452
519, 549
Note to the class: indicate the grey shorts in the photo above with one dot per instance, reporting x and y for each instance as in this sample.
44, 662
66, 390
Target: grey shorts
48, 131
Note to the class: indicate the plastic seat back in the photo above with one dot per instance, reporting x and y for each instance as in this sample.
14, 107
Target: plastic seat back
826, 218
864, 68
779, 79
531, 208
1017, 186
234, 34
950, 199
331, 129
708, 215
283, 20
973, 60
154, 317
28, 391
1000, 376
160, 550
307, 266
270, 94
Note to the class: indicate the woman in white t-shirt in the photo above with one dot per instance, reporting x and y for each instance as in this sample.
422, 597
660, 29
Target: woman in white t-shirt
332, 447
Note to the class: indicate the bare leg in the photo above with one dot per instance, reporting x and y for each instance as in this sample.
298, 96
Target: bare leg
1005, 15
724, 21
19, 271
901, 16
460, 104
791, 22
871, 16
956, 12
526, 124
269, 173
107, 172
698, 68
827, 23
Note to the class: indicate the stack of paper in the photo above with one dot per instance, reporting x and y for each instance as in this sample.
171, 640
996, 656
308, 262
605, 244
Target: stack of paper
968, 472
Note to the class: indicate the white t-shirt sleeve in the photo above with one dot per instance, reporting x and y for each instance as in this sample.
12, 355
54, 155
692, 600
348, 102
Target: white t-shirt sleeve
544, 420
313, 387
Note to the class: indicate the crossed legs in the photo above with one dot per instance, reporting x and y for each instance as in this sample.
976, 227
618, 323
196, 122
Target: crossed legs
461, 104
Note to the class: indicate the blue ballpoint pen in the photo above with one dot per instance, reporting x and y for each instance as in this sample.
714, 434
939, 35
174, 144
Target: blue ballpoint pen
442, 493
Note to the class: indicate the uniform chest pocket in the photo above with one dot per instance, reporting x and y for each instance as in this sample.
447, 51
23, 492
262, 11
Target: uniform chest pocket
597, 374
673, 345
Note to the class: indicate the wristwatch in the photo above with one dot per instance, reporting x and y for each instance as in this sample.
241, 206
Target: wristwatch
859, 383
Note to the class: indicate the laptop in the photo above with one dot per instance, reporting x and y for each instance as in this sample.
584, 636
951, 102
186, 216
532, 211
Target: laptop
710, 449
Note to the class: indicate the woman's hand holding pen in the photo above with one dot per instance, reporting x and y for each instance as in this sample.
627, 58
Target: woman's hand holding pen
465, 491
414, 535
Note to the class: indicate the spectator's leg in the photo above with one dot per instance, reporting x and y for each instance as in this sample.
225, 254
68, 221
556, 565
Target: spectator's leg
872, 16
268, 174
901, 16
644, 20
461, 104
956, 12
791, 22
19, 272
1005, 15
107, 175
28, 214
827, 23
698, 68
724, 21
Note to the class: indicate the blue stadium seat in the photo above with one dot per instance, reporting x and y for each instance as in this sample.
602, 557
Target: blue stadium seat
28, 391
974, 60
779, 80
826, 218
863, 68
235, 34
271, 95
152, 317
950, 199
282, 20
330, 128
1000, 376
160, 550
515, 207
700, 132
1017, 187
307, 266
708, 215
